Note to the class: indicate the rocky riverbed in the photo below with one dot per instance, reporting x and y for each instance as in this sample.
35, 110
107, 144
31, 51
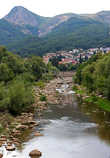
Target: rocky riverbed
58, 127
16, 130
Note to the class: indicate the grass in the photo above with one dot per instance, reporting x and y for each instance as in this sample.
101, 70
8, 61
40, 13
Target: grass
102, 103
40, 84
78, 91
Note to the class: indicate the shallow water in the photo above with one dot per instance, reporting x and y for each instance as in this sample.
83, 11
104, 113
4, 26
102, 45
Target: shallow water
71, 131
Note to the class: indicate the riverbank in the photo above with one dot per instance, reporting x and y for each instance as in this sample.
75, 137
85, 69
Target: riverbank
87, 97
16, 130
85, 127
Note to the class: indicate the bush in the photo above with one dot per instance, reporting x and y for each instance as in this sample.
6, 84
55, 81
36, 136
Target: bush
17, 76
40, 84
20, 96
4, 97
43, 98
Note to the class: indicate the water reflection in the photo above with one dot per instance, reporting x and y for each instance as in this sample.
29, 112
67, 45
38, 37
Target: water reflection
72, 130
101, 117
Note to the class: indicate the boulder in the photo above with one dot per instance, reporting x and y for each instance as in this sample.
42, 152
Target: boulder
1, 155
0, 144
9, 143
37, 134
2, 139
10, 148
3, 136
16, 133
33, 123
21, 127
35, 153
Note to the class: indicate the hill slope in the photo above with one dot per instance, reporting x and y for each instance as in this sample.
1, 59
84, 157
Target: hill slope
9, 33
75, 33
61, 32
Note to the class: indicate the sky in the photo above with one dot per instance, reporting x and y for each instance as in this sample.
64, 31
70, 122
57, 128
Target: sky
54, 7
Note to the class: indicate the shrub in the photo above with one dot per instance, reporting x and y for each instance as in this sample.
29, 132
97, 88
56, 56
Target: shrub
20, 96
40, 84
43, 98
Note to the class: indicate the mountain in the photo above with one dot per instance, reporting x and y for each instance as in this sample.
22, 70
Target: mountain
21, 16
54, 22
28, 21
46, 34
10, 33
31, 23
76, 33
103, 16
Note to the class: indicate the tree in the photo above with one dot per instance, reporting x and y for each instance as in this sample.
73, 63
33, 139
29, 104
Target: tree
6, 74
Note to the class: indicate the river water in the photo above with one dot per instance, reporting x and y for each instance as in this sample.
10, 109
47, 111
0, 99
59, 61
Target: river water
71, 130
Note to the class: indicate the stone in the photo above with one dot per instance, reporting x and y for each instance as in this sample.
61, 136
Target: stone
1, 155
35, 153
16, 133
17, 144
21, 127
9, 143
3, 139
33, 123
3, 136
10, 148
37, 134
0, 144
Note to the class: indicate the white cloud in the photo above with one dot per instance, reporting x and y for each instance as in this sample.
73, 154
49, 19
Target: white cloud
54, 7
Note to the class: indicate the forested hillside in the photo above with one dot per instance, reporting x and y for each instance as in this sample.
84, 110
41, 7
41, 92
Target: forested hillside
26, 33
10, 33
74, 34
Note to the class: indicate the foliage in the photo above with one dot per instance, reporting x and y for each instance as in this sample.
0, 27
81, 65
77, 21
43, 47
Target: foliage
40, 84
102, 103
95, 75
74, 33
17, 77
43, 98
10, 33
19, 99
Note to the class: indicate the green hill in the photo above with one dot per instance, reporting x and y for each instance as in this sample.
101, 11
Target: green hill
76, 33
27, 33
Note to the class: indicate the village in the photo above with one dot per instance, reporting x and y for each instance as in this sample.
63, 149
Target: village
75, 56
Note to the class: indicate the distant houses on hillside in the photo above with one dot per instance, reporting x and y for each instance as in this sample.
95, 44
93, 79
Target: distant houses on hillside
75, 55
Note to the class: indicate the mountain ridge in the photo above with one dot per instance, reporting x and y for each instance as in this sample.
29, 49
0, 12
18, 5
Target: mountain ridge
44, 25
45, 34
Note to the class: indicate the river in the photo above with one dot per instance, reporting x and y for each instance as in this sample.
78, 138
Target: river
71, 130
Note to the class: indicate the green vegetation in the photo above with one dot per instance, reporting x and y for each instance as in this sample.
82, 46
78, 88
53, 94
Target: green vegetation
43, 98
39, 35
102, 103
85, 34
10, 33
40, 84
17, 78
95, 76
